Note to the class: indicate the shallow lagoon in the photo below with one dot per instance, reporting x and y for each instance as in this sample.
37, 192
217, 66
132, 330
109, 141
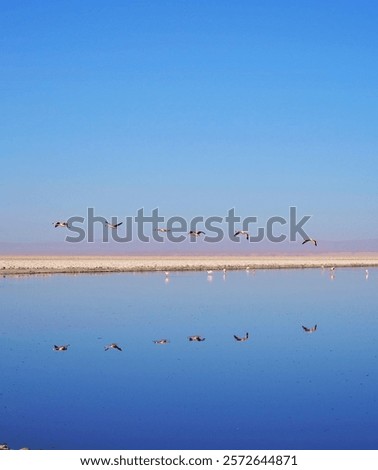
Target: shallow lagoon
281, 389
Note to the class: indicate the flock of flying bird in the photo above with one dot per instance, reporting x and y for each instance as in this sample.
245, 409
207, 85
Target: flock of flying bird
192, 233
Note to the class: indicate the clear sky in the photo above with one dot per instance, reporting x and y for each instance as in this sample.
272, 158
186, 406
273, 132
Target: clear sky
193, 107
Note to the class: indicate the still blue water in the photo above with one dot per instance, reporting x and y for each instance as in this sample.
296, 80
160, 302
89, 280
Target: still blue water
281, 389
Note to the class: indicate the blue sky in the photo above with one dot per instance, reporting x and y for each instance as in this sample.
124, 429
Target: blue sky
190, 106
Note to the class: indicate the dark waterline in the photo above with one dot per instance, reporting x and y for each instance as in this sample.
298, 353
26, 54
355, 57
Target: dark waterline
281, 389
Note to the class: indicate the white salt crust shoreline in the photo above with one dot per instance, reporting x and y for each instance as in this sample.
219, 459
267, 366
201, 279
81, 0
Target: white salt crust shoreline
15, 265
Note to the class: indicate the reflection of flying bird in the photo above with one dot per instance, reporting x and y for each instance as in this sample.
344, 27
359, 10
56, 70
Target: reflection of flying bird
61, 224
61, 348
242, 232
310, 240
194, 233
242, 338
310, 330
112, 346
196, 338
112, 225
161, 341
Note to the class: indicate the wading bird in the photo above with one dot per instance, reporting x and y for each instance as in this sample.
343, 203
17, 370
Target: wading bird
4, 446
242, 338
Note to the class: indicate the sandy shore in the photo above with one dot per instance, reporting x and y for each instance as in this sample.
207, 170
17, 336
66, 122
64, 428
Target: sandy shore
84, 264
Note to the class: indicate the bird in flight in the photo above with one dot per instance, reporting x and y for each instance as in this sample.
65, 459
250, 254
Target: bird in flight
161, 341
112, 225
113, 346
242, 338
162, 230
61, 224
242, 232
196, 338
195, 233
310, 240
310, 330
61, 348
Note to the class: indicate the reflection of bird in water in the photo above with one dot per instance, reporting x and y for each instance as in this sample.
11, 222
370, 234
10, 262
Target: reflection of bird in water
366, 274
161, 341
61, 348
113, 225
242, 338
196, 338
310, 240
310, 330
4, 446
112, 346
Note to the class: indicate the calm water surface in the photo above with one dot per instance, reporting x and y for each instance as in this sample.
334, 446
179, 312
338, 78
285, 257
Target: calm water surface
282, 389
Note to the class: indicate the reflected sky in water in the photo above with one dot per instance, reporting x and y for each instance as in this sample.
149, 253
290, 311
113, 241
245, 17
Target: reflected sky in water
281, 389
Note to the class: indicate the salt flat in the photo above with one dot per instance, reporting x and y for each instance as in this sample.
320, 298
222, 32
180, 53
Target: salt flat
13, 265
